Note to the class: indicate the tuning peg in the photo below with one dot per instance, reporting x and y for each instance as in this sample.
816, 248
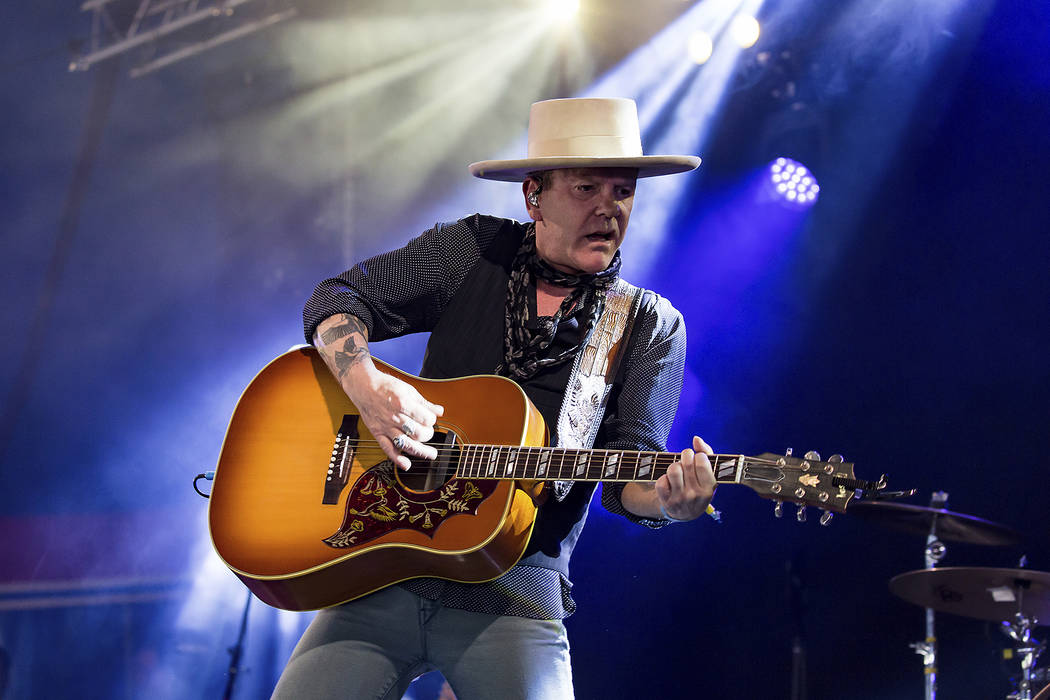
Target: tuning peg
825, 517
800, 514
778, 509
836, 459
788, 451
813, 456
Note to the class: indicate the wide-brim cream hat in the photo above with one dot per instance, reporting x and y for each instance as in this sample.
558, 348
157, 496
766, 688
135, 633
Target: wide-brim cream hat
586, 132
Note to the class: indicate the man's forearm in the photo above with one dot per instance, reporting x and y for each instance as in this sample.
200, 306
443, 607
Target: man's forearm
342, 341
399, 418
640, 498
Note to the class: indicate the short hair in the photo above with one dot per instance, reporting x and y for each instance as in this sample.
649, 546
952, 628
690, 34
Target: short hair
543, 178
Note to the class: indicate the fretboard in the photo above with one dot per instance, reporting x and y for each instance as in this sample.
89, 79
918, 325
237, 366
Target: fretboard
566, 464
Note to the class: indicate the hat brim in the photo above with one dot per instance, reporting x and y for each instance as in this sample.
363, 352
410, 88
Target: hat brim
518, 170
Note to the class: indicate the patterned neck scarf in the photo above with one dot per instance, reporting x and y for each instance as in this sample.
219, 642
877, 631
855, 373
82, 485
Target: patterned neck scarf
525, 349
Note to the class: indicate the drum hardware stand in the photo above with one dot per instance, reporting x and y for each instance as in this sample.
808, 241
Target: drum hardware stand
797, 602
935, 552
1020, 630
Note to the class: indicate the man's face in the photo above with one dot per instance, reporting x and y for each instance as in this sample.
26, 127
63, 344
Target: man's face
582, 217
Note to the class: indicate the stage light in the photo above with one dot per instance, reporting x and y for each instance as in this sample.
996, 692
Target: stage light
700, 46
745, 31
562, 11
793, 182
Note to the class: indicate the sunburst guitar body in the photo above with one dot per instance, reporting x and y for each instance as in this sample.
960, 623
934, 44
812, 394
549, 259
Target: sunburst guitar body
307, 511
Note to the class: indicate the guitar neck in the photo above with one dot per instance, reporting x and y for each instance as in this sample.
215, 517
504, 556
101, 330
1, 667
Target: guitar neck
567, 464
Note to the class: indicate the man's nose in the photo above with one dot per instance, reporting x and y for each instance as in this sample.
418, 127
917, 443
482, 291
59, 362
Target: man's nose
608, 204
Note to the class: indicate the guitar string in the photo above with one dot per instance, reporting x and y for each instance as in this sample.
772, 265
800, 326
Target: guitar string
450, 451
627, 454
476, 451
479, 457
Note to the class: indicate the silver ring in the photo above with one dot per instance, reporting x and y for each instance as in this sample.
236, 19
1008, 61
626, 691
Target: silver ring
399, 442
407, 429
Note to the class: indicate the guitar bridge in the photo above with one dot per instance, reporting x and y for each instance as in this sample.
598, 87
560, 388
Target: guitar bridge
342, 457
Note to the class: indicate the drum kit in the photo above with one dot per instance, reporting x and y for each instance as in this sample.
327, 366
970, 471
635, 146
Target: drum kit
1019, 598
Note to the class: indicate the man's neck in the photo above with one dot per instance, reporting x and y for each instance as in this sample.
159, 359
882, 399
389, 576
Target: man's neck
549, 297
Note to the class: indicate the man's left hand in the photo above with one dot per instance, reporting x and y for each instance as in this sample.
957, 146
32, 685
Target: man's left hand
685, 491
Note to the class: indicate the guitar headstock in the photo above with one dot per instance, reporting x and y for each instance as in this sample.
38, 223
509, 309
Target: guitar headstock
806, 481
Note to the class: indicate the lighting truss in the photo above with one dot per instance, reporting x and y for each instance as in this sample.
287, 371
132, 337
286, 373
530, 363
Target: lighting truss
118, 26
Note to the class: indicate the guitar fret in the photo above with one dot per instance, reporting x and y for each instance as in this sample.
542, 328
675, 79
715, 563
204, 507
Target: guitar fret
512, 456
611, 461
541, 466
728, 468
581, 462
493, 459
472, 465
645, 463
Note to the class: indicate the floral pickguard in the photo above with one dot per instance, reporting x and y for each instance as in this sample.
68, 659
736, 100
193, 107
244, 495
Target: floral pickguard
378, 504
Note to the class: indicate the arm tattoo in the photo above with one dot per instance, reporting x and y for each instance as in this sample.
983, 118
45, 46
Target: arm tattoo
355, 347
350, 355
350, 325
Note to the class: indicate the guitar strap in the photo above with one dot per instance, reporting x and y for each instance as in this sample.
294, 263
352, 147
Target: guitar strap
594, 372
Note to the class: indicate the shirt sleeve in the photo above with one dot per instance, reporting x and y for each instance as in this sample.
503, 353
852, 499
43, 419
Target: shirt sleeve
405, 290
648, 398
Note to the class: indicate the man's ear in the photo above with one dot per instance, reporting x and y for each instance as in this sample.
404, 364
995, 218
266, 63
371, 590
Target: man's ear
530, 188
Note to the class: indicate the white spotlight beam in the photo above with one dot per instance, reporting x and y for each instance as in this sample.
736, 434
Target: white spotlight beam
218, 40
684, 98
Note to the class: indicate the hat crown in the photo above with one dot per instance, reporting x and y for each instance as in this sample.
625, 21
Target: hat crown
583, 132
584, 127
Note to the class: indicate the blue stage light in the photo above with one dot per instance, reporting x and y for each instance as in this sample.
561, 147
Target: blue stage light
793, 182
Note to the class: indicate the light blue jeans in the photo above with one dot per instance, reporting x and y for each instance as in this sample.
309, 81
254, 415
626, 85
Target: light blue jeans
375, 646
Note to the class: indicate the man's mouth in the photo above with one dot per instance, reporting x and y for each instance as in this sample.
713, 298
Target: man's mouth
599, 236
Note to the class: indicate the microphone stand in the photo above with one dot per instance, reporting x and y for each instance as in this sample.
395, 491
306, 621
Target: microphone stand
235, 652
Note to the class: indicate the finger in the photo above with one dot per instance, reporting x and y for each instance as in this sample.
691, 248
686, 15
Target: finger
421, 414
426, 412
663, 489
394, 454
700, 477
413, 429
700, 446
416, 431
675, 477
413, 447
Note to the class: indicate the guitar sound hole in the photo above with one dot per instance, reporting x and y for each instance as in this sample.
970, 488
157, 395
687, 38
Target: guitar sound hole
427, 475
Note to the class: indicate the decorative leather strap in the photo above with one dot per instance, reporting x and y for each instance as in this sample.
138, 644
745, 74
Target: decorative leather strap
594, 371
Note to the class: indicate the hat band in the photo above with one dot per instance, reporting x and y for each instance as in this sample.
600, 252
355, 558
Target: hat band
588, 147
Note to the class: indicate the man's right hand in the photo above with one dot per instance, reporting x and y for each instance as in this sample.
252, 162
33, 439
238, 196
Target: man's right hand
396, 414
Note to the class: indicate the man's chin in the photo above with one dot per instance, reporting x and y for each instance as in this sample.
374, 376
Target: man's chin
591, 265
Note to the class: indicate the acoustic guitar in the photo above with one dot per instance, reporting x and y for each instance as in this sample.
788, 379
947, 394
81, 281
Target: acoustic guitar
308, 511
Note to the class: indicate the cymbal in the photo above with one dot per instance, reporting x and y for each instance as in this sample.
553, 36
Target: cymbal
954, 527
983, 593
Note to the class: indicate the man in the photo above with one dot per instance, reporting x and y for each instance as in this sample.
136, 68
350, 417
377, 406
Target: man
519, 300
